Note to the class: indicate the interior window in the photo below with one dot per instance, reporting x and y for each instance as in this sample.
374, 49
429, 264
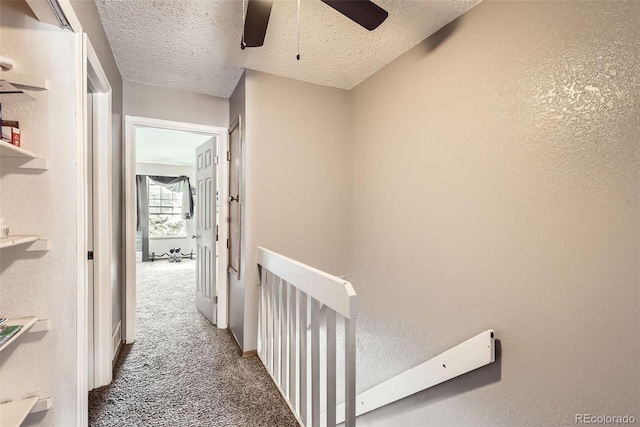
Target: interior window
165, 212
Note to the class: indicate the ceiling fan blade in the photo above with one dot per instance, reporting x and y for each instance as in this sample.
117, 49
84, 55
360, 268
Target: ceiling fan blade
363, 12
256, 20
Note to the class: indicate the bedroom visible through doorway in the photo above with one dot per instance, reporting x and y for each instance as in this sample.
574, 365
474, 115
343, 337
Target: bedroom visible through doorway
173, 197
172, 205
166, 167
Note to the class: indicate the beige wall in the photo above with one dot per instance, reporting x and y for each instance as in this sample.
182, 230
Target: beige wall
495, 185
296, 178
87, 14
175, 105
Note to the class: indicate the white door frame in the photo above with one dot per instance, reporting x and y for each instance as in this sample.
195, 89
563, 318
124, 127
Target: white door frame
130, 125
102, 208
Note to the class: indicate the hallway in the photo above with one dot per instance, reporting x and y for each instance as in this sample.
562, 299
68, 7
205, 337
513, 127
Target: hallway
182, 371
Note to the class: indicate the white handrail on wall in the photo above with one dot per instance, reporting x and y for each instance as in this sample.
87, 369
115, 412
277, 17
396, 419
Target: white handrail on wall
465, 357
288, 291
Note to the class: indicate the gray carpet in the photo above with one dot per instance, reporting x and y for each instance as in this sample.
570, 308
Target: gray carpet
183, 371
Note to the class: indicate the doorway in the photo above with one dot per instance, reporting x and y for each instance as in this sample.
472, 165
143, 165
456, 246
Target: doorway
165, 215
175, 204
95, 320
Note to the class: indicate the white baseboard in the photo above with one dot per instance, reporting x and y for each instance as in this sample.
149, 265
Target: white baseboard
117, 341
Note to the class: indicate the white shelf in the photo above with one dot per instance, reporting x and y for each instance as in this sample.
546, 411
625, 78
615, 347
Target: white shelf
29, 325
17, 240
35, 246
24, 81
13, 86
13, 413
17, 157
43, 404
10, 150
39, 245
26, 322
11, 93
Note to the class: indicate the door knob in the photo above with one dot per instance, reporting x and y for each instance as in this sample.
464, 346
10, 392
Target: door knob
195, 236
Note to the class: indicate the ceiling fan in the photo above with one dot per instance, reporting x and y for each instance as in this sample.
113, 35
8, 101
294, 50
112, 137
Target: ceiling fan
362, 12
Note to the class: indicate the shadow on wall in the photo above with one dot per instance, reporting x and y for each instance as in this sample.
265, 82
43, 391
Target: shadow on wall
434, 41
17, 170
20, 13
478, 378
19, 255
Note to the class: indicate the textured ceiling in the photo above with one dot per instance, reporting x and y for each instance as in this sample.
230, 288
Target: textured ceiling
195, 44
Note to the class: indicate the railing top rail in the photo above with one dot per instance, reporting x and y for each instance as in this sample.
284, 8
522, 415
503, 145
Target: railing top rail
335, 293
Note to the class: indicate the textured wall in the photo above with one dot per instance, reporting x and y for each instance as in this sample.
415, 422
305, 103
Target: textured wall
495, 185
88, 16
41, 283
297, 158
174, 104
237, 107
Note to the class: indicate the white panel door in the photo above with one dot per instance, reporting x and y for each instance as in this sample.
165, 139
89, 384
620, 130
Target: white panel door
89, 230
206, 229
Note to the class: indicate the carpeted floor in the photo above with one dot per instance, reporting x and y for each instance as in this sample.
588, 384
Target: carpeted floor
183, 371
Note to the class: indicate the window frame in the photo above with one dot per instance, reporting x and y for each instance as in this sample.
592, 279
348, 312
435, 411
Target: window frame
174, 196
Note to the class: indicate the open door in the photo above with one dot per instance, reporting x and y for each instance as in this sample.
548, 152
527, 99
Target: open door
89, 233
235, 204
206, 229
97, 335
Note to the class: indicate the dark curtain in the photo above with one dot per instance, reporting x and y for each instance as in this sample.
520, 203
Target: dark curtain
142, 210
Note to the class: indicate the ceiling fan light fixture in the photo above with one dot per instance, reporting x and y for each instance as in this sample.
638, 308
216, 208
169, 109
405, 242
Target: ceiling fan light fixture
363, 12
255, 22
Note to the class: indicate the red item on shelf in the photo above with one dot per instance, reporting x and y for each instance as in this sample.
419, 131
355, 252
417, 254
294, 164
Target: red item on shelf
11, 134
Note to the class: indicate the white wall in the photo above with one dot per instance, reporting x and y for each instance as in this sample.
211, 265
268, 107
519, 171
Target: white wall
42, 284
495, 185
297, 168
186, 244
174, 104
87, 14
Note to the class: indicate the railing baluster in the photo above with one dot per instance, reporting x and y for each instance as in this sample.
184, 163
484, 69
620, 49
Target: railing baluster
286, 340
302, 327
315, 363
268, 321
283, 335
331, 367
263, 312
276, 330
350, 371
292, 346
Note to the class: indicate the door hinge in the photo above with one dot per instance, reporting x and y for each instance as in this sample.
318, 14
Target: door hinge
90, 255
217, 160
215, 299
228, 156
216, 233
228, 244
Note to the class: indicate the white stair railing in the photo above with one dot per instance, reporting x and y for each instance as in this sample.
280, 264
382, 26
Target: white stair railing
289, 291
